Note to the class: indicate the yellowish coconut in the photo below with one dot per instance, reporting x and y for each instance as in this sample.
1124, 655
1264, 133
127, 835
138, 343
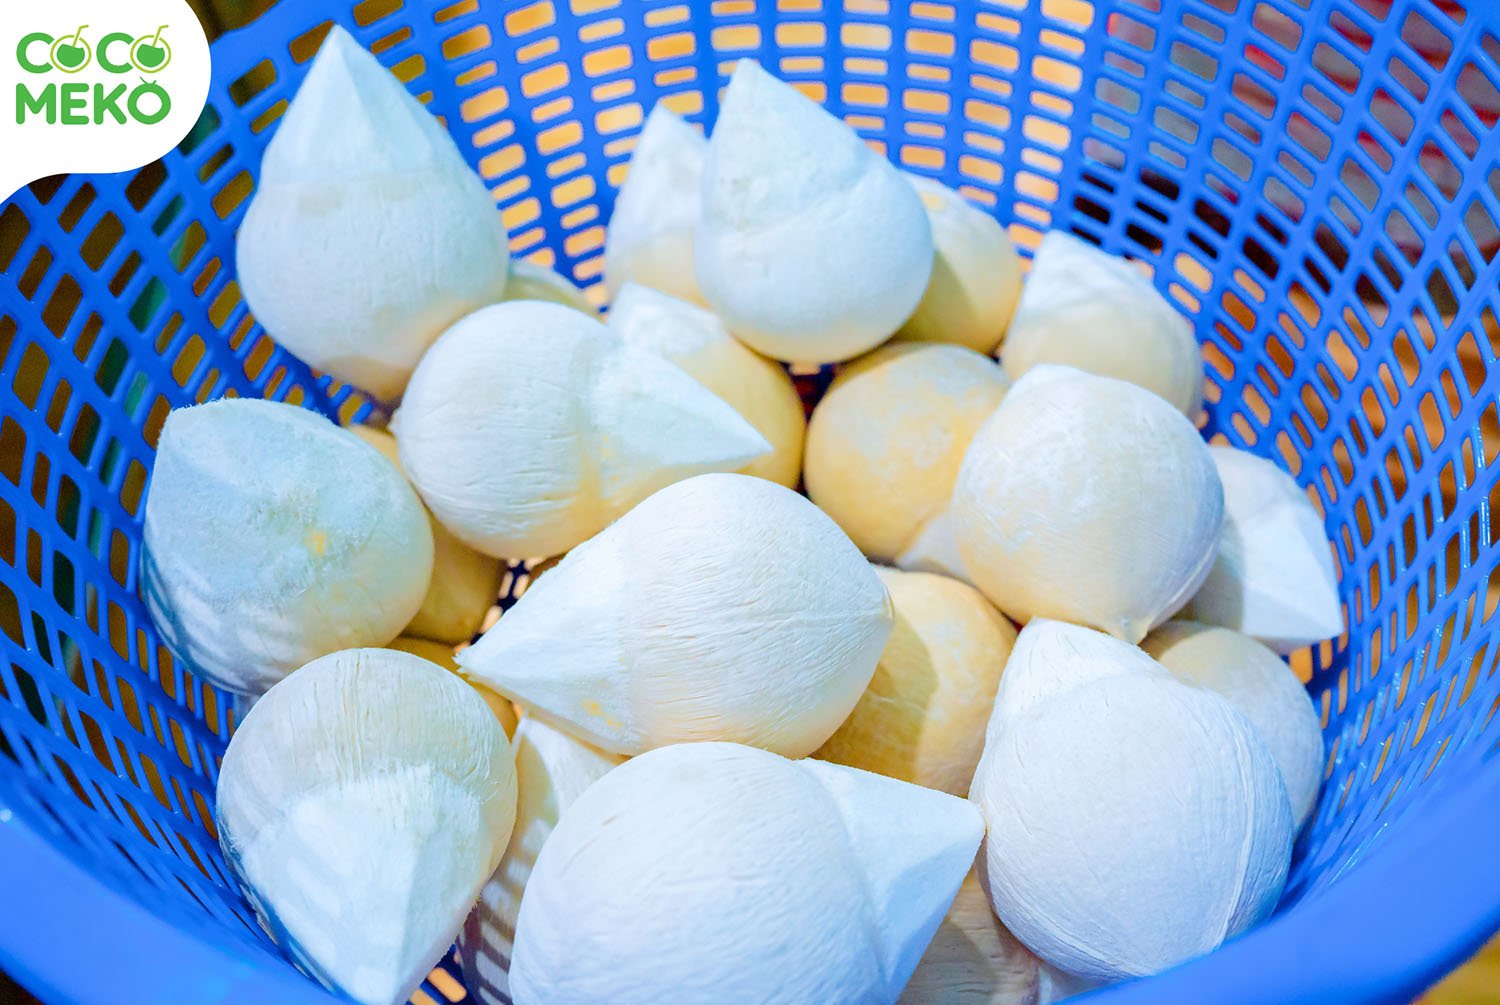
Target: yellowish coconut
922, 718
886, 442
1086, 308
530, 281
464, 582
976, 274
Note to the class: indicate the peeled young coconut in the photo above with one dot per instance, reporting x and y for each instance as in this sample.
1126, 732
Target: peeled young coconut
1087, 499
1086, 308
650, 235
1134, 821
362, 803
529, 427
711, 872
885, 445
1265, 690
922, 718
691, 337
724, 607
368, 233
464, 582
812, 247
976, 274
1273, 578
273, 537
529, 281
442, 655
974, 960
552, 770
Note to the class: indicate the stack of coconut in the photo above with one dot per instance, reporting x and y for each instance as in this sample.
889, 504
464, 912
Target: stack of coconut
818, 747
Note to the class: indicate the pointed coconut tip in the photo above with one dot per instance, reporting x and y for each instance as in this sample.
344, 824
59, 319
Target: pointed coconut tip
935, 549
650, 234
1274, 578
1075, 291
1051, 658
372, 930
914, 846
326, 806
662, 628
351, 117
660, 321
775, 152
663, 426
561, 654
690, 337
666, 130
697, 341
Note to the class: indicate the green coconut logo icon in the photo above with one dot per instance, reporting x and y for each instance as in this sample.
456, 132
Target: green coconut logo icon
71, 53
151, 55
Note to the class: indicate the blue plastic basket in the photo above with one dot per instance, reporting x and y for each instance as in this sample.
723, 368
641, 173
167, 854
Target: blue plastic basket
1315, 181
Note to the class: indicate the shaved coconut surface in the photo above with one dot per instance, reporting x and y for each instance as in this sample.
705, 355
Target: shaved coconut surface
362, 802
712, 872
1134, 822
976, 274
922, 719
273, 537
812, 248
1087, 499
529, 427
1265, 690
1085, 308
442, 654
680, 622
552, 770
530, 281
368, 233
1273, 578
464, 584
974, 960
756, 387
886, 442
650, 235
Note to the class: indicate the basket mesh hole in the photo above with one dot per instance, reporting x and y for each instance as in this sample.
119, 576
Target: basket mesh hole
306, 45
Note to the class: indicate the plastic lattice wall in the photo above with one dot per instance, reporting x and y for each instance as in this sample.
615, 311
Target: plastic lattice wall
1314, 181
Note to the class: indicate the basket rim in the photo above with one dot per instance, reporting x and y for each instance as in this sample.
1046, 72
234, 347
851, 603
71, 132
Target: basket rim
120, 950
1436, 881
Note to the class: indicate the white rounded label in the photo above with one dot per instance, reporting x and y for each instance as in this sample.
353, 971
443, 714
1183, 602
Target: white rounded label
96, 85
